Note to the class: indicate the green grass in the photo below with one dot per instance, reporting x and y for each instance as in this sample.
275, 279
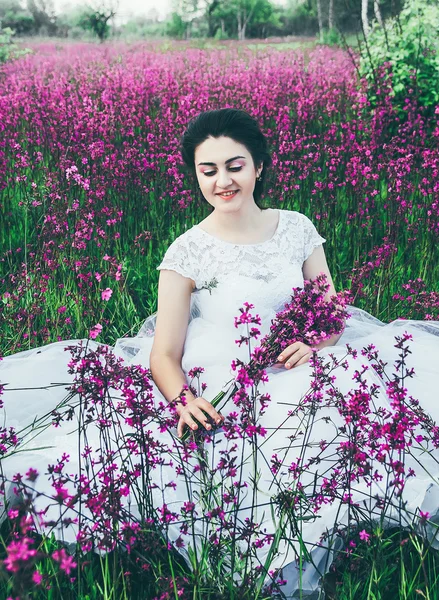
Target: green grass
394, 564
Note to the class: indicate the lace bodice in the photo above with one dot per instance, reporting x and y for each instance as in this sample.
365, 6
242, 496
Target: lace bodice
200, 256
227, 274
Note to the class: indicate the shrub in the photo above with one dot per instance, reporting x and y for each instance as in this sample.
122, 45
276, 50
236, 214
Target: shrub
408, 45
8, 50
331, 38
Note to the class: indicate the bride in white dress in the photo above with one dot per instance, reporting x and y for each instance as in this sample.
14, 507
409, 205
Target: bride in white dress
206, 498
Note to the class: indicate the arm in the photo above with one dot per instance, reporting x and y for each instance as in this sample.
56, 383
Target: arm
174, 294
313, 266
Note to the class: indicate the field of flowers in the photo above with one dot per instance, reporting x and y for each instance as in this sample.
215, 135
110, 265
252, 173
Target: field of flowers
92, 192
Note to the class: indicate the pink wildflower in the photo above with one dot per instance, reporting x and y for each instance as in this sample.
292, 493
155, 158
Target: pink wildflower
424, 516
37, 578
364, 535
18, 552
106, 294
95, 331
66, 562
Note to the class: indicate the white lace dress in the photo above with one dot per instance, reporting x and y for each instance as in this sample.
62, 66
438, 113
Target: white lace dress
227, 275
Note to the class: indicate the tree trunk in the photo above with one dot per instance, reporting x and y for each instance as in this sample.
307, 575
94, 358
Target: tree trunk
364, 19
247, 19
331, 15
320, 18
377, 11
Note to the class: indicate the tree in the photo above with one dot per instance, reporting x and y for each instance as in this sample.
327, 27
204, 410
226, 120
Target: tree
331, 15
13, 16
187, 11
377, 11
364, 19
44, 16
212, 5
176, 27
320, 18
96, 16
239, 15
265, 21
244, 12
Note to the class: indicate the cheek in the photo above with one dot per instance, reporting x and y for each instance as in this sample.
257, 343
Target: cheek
205, 182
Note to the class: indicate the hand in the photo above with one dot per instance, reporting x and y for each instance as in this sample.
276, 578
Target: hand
294, 355
197, 408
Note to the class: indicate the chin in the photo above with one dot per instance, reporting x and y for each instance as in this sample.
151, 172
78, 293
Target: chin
236, 202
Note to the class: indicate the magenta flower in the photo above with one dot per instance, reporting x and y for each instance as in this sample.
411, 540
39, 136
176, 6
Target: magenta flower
95, 331
66, 562
18, 554
424, 516
37, 578
106, 294
364, 535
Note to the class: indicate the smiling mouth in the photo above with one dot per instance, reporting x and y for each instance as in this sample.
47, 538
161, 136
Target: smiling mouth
228, 193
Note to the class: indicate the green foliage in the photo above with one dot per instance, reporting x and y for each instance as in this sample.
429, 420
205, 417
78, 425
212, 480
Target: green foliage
257, 19
14, 17
410, 43
331, 38
176, 27
44, 16
142, 28
97, 22
21, 22
8, 50
265, 20
221, 35
302, 20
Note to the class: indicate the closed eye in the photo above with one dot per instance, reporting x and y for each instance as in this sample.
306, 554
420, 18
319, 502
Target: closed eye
210, 173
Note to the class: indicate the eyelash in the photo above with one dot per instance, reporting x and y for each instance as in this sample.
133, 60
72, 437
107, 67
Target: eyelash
234, 169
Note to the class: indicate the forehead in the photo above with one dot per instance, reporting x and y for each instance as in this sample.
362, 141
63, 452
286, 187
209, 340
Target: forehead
219, 150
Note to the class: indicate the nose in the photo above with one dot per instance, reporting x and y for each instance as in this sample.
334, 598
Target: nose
224, 180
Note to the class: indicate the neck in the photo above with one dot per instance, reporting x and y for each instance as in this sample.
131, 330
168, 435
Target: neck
246, 219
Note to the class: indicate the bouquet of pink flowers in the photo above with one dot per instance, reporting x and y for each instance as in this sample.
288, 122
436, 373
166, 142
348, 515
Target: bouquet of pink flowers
308, 317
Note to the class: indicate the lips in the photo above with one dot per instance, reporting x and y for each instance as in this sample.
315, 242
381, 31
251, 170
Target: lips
228, 196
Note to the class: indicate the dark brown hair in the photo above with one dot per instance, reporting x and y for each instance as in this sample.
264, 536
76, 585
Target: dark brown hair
230, 122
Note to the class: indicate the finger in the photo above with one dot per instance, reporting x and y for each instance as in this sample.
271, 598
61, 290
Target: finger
180, 427
292, 348
292, 361
284, 355
209, 409
289, 351
182, 423
201, 417
303, 360
197, 414
187, 419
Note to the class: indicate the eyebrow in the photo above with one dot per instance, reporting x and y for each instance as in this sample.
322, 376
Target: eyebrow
212, 164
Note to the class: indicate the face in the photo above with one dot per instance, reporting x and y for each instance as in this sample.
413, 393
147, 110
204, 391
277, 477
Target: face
223, 165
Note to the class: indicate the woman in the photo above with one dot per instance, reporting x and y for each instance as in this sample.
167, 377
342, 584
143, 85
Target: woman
232, 489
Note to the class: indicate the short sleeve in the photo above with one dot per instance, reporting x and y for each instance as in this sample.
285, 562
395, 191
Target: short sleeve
311, 238
177, 258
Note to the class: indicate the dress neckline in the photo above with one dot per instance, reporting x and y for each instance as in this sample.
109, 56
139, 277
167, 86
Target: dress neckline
250, 245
